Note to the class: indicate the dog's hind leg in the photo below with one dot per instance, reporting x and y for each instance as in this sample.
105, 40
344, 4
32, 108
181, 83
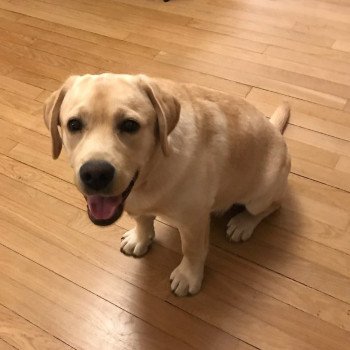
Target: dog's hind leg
242, 225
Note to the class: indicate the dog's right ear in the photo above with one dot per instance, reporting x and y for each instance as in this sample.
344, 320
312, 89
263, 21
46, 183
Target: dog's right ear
52, 108
166, 106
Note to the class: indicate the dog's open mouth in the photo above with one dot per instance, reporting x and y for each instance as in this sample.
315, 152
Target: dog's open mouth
105, 210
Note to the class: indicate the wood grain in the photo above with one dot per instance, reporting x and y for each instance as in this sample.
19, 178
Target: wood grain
63, 282
6, 346
22, 334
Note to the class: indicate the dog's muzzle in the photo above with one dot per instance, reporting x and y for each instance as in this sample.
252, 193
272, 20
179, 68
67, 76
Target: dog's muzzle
105, 210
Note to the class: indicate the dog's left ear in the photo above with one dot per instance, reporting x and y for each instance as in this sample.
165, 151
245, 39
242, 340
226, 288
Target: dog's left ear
52, 108
167, 108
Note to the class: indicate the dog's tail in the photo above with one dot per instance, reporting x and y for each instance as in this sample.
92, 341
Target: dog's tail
280, 116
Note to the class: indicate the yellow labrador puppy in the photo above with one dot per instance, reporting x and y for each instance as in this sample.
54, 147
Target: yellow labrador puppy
178, 151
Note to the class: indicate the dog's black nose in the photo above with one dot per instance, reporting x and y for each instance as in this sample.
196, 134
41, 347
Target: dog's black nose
96, 174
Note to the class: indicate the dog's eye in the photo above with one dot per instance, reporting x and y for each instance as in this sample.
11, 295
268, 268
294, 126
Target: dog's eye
75, 125
129, 125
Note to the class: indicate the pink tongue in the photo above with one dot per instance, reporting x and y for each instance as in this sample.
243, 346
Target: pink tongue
103, 208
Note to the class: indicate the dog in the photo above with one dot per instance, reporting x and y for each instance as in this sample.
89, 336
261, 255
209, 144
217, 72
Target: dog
178, 151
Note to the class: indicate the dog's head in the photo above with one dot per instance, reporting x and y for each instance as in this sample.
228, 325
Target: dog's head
110, 126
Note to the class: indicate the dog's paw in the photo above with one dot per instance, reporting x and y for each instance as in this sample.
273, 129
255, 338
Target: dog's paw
186, 279
134, 244
241, 227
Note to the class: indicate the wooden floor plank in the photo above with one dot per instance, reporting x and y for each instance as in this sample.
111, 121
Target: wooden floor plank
10, 38
20, 334
308, 59
34, 79
335, 178
327, 30
123, 61
61, 66
343, 164
65, 285
60, 230
123, 12
78, 312
271, 34
125, 294
6, 145
243, 59
308, 115
177, 301
291, 8
6, 346
4, 14
13, 100
334, 317
186, 31
326, 99
44, 96
342, 45
212, 13
266, 281
294, 41
75, 19
300, 75
41, 181
60, 34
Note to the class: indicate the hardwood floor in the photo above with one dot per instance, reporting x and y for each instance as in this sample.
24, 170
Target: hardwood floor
63, 282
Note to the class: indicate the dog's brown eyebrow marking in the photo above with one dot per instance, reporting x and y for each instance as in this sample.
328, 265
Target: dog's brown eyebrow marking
121, 112
82, 111
130, 110
134, 103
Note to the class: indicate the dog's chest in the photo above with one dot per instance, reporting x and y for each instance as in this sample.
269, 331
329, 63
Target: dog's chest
140, 204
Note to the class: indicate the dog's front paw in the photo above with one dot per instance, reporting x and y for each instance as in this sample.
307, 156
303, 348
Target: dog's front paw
136, 244
186, 278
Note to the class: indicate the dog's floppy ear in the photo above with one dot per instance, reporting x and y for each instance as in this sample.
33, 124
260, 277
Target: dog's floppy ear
167, 109
52, 108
